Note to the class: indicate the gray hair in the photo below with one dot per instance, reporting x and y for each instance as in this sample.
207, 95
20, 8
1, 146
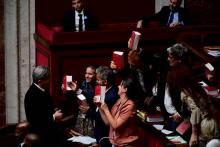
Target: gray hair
178, 51
40, 72
105, 73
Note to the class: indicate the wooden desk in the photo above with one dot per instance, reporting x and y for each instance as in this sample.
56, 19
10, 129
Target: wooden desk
155, 138
196, 41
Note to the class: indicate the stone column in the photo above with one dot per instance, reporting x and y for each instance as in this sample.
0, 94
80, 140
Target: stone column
19, 55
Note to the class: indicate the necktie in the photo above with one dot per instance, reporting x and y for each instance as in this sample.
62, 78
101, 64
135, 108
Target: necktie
170, 18
80, 22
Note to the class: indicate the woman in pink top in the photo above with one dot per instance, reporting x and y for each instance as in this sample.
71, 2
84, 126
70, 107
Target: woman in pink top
124, 130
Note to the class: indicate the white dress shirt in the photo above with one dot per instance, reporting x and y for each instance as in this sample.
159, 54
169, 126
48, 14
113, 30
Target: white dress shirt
77, 20
168, 103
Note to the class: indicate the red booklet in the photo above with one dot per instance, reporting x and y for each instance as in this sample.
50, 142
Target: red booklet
66, 81
134, 40
97, 90
153, 118
99, 94
210, 90
118, 58
183, 127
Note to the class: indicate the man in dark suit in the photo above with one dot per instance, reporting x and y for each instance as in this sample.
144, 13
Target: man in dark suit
78, 19
104, 77
39, 108
171, 16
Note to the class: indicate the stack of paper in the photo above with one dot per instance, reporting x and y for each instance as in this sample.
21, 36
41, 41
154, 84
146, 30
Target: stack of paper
213, 50
82, 139
176, 139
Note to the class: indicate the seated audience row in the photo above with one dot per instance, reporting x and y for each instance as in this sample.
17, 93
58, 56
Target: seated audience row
80, 19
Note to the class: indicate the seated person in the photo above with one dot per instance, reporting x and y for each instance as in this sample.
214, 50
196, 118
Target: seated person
39, 108
170, 16
32, 140
78, 19
21, 131
189, 99
84, 125
138, 69
104, 77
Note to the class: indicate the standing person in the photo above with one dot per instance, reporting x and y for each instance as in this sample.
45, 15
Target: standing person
39, 108
138, 69
84, 124
124, 130
177, 55
79, 19
171, 16
204, 127
188, 99
104, 77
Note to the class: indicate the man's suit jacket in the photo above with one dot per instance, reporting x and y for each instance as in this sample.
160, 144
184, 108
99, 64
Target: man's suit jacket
163, 15
39, 111
69, 21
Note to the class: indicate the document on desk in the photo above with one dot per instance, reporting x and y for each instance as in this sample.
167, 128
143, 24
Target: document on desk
158, 127
82, 139
167, 132
176, 139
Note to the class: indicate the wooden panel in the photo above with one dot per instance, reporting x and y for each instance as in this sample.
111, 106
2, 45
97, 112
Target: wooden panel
70, 53
106, 11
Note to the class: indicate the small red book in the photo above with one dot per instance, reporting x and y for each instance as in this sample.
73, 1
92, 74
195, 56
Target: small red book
183, 127
118, 59
134, 40
210, 90
153, 118
97, 90
99, 94
66, 81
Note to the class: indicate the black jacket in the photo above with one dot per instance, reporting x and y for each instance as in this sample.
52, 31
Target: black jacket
163, 15
69, 21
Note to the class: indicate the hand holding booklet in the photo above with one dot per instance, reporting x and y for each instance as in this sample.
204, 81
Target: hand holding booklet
134, 40
118, 59
99, 95
67, 79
